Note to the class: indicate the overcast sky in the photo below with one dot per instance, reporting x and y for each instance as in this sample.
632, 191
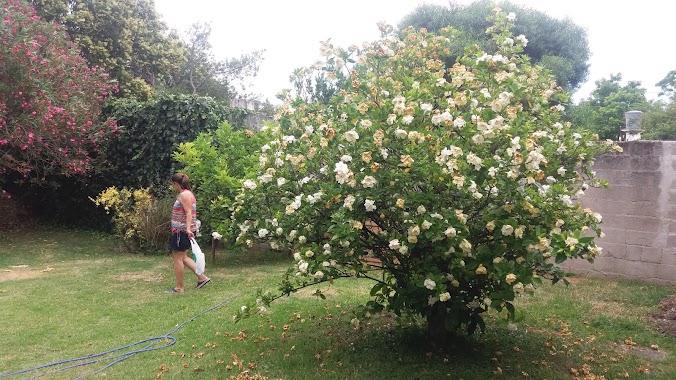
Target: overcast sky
631, 38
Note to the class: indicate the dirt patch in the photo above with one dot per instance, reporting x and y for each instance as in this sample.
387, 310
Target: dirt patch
21, 272
666, 319
146, 276
310, 292
652, 352
646, 352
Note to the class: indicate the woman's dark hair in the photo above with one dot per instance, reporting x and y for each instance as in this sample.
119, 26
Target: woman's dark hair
182, 180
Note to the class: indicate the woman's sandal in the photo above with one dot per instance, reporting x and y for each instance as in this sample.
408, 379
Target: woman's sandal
173, 290
202, 283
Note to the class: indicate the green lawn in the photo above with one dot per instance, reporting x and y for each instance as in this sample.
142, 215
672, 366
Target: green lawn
66, 294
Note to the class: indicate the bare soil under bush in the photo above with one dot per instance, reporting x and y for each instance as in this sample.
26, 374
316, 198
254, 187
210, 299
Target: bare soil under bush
15, 216
666, 319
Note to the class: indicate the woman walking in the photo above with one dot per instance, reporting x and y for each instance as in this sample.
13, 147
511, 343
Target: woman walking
183, 227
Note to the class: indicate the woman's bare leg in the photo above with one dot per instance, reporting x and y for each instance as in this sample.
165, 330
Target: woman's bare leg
179, 269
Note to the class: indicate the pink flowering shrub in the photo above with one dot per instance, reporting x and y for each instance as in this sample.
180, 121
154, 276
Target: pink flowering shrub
459, 181
50, 101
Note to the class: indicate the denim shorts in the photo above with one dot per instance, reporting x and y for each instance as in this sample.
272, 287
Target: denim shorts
179, 241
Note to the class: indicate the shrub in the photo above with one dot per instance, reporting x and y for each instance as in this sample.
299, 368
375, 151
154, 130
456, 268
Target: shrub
459, 180
152, 130
142, 222
50, 101
217, 162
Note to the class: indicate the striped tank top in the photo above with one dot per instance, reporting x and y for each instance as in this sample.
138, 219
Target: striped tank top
178, 216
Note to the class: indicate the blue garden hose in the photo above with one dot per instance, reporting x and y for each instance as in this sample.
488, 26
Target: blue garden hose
111, 354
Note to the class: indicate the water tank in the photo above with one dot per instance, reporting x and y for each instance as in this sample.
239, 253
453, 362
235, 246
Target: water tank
632, 121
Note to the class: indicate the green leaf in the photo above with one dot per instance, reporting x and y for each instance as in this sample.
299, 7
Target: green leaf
561, 257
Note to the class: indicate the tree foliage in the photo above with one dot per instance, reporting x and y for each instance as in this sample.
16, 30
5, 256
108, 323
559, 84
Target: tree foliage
217, 162
50, 101
603, 112
203, 74
321, 82
659, 122
668, 85
152, 130
558, 45
125, 37
459, 180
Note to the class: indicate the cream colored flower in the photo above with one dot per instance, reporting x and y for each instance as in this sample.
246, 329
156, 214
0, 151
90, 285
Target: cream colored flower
406, 160
369, 181
400, 133
518, 232
351, 136
466, 246
249, 184
348, 202
571, 241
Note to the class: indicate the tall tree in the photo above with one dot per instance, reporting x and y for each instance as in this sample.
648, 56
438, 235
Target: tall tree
204, 74
126, 37
558, 45
603, 112
50, 101
668, 85
659, 122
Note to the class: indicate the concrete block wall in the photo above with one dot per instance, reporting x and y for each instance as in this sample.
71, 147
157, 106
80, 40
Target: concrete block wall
639, 214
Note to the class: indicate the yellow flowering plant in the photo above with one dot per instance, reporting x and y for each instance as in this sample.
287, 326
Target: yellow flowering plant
141, 221
459, 182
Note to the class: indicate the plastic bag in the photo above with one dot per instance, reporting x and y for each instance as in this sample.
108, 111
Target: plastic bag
199, 256
198, 224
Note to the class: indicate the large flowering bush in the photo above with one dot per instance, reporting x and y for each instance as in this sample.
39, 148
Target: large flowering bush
459, 180
50, 101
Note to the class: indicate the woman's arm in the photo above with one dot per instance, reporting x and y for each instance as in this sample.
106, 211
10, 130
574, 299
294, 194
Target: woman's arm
186, 202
